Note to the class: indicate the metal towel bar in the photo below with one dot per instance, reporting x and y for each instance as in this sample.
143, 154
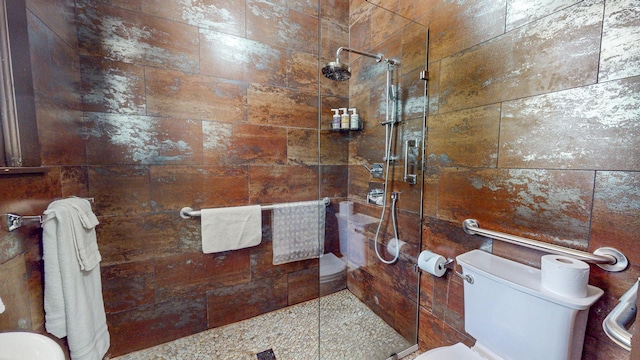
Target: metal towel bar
607, 258
187, 212
14, 221
616, 323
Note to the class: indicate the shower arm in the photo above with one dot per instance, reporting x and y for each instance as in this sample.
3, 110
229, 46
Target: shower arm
378, 57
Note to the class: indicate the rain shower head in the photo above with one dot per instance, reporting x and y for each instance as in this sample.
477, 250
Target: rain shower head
338, 71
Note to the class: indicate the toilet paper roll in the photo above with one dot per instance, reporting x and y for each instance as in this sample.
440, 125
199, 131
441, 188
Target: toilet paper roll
564, 276
346, 207
432, 263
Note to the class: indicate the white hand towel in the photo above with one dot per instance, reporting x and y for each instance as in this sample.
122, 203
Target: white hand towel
298, 231
73, 298
85, 239
230, 228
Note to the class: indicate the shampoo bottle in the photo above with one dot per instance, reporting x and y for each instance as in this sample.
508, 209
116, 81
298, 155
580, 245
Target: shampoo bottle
336, 123
355, 119
344, 123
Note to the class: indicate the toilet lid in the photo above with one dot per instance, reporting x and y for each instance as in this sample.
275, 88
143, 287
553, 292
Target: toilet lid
331, 265
458, 351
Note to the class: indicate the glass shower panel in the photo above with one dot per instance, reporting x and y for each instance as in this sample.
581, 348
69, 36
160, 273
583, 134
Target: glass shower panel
369, 309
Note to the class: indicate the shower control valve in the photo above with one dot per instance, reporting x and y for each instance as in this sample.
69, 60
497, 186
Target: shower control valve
376, 170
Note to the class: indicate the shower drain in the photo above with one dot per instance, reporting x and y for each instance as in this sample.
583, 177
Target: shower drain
266, 355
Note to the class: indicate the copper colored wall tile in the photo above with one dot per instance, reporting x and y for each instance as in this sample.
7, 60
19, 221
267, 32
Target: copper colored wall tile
303, 285
15, 295
59, 15
526, 61
175, 187
334, 148
459, 26
302, 71
591, 127
35, 280
302, 147
520, 12
127, 238
231, 304
237, 58
128, 36
335, 10
243, 144
177, 94
360, 28
125, 4
127, 286
464, 138
150, 325
282, 107
309, 7
132, 139
615, 213
120, 190
196, 273
282, 26
74, 181
109, 86
282, 184
333, 36
620, 34
60, 134
227, 16
392, 25
414, 49
430, 331
549, 205
335, 181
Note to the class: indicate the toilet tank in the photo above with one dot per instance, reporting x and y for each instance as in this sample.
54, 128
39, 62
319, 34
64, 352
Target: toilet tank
507, 311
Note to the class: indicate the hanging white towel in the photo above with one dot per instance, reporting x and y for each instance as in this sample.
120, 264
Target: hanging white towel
73, 297
298, 231
231, 228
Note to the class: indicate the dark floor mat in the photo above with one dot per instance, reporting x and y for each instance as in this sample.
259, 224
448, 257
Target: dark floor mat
266, 355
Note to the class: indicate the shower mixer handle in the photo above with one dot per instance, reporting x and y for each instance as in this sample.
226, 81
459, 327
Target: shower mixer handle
376, 170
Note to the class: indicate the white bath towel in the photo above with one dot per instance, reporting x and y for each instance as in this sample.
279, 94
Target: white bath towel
73, 297
230, 228
298, 231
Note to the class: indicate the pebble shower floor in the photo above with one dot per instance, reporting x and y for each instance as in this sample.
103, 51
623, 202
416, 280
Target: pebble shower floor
349, 331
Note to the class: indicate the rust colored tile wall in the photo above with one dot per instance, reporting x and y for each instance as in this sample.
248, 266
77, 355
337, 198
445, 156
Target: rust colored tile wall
533, 131
152, 105
391, 291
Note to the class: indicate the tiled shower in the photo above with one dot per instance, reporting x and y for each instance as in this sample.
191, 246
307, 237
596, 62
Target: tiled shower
152, 105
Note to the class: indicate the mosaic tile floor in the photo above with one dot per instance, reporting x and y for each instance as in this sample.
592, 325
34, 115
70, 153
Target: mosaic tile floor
291, 334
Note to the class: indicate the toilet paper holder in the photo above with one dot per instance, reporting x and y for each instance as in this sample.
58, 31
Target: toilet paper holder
451, 265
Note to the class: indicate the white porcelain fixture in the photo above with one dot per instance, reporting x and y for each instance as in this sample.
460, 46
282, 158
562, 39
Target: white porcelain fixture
512, 317
353, 245
28, 346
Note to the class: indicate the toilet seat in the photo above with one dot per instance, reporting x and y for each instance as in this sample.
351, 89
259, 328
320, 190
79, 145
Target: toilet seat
458, 351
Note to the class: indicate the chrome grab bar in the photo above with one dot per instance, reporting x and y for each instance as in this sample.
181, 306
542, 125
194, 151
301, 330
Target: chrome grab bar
623, 315
409, 178
607, 258
187, 212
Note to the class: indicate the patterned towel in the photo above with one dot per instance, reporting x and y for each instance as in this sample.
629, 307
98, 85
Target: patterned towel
298, 231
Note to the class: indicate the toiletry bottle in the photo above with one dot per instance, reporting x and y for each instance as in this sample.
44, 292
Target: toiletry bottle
355, 119
336, 123
344, 123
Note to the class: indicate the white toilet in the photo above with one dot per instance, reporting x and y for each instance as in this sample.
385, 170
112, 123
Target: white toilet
512, 317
